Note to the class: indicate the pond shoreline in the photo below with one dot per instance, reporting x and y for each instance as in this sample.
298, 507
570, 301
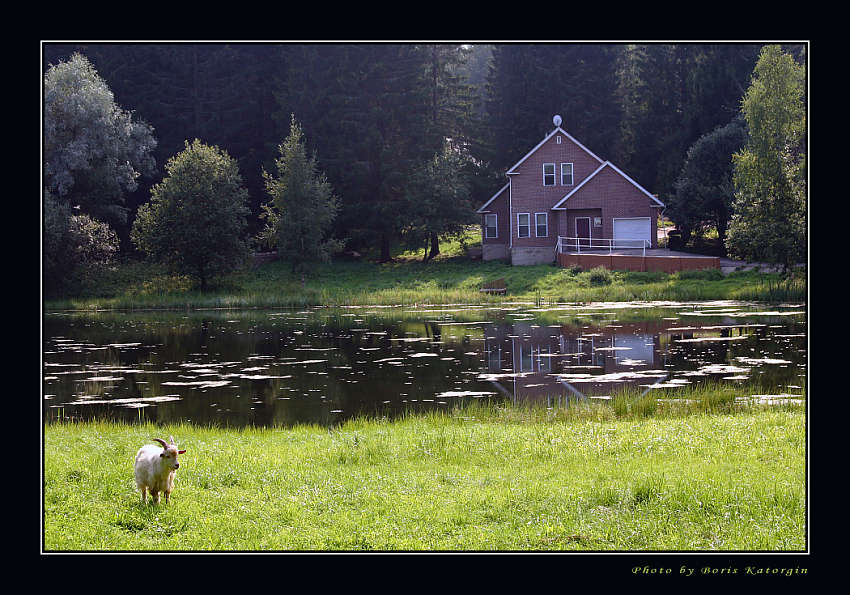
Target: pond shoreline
135, 286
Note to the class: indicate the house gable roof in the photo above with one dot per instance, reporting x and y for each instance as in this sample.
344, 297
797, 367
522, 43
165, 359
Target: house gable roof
559, 204
492, 198
512, 170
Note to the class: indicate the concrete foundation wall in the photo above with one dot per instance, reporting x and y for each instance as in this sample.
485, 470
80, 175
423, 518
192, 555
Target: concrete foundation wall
522, 255
494, 252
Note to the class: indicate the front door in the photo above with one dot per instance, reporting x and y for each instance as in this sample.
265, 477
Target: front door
583, 230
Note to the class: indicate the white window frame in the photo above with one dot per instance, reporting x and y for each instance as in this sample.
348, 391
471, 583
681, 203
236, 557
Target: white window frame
494, 226
527, 225
553, 174
572, 175
546, 225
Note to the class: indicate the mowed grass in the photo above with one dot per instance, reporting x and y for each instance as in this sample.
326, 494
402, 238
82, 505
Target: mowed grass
478, 478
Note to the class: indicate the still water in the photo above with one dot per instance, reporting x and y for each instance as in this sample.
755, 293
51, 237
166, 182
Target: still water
323, 365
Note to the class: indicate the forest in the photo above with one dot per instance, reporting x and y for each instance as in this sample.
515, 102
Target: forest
372, 113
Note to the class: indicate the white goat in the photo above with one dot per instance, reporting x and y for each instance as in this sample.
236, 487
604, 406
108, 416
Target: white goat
155, 468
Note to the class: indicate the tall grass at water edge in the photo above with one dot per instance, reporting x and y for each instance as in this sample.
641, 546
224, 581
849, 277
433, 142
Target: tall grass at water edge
452, 280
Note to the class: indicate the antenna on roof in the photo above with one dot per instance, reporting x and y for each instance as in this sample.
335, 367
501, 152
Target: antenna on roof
556, 120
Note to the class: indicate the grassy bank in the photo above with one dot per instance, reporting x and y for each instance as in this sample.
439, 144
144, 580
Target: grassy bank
480, 478
449, 279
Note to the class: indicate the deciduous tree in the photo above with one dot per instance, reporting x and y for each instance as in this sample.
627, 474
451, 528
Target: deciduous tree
769, 221
195, 220
704, 190
94, 151
437, 200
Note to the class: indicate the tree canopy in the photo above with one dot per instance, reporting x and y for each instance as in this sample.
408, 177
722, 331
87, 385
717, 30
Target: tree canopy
302, 206
769, 221
94, 151
195, 220
373, 114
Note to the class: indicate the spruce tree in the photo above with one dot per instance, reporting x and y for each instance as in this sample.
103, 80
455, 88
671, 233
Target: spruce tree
302, 208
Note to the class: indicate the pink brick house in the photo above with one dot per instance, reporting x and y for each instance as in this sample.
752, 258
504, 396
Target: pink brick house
561, 188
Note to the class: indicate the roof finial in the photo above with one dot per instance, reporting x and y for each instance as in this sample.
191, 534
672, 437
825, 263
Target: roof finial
556, 120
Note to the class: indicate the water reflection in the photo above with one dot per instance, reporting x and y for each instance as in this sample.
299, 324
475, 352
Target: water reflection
323, 366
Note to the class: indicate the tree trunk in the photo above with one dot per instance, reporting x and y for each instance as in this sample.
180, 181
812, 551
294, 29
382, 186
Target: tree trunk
385, 248
435, 246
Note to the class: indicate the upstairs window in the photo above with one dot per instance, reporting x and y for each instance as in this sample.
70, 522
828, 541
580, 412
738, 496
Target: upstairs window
491, 227
523, 225
548, 174
566, 174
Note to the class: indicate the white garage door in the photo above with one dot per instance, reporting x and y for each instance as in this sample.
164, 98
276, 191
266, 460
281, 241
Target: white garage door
637, 228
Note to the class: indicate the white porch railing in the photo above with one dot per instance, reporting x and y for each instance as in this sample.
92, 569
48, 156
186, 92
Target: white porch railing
594, 244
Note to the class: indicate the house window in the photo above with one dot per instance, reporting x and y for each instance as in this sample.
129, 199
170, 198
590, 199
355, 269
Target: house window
541, 227
566, 174
491, 228
548, 174
523, 225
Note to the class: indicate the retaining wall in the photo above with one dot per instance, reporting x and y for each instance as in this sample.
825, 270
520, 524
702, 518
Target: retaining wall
615, 262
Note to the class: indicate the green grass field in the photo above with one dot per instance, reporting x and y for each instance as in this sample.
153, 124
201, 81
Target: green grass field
450, 279
482, 478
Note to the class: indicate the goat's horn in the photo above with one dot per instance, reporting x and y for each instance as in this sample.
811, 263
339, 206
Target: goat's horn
161, 441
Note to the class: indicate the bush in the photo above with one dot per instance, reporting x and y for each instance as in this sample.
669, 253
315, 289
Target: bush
600, 276
73, 246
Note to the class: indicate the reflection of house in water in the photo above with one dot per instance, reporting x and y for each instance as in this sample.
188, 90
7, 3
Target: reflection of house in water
558, 363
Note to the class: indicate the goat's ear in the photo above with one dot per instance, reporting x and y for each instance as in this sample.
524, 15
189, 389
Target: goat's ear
180, 452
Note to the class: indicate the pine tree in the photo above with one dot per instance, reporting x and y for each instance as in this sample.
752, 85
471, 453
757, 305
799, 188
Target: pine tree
303, 207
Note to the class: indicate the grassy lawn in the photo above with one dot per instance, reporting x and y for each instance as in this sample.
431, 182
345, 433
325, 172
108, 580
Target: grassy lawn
482, 478
450, 278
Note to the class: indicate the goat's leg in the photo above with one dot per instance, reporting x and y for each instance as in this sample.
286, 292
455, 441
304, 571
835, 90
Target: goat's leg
144, 495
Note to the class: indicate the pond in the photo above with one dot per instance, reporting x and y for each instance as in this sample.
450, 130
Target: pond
326, 365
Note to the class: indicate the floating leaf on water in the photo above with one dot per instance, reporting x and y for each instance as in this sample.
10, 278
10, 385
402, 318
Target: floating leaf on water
199, 383
261, 377
306, 361
709, 339
498, 376
722, 369
316, 349
464, 393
